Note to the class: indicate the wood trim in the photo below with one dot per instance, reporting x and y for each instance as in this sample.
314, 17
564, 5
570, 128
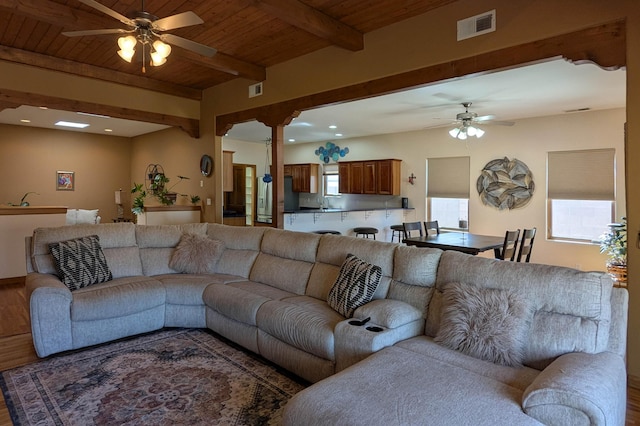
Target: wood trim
190, 125
85, 70
604, 45
633, 381
18, 210
172, 208
12, 281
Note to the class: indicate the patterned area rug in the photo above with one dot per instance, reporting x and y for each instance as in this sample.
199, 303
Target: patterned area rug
175, 376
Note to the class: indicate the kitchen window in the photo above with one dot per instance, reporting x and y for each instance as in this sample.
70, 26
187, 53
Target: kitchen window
331, 179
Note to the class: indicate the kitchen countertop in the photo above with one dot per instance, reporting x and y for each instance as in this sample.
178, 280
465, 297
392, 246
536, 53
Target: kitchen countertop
318, 210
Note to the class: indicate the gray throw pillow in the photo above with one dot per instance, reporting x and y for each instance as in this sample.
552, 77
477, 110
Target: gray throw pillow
80, 262
490, 324
355, 285
196, 254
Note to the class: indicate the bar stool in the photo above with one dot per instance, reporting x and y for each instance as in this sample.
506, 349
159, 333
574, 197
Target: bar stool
366, 231
397, 230
327, 231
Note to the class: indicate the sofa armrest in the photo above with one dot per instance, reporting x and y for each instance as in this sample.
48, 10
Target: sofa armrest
388, 313
393, 321
579, 388
50, 311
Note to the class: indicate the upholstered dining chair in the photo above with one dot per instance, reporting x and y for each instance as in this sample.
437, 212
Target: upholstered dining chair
431, 227
409, 227
526, 244
508, 250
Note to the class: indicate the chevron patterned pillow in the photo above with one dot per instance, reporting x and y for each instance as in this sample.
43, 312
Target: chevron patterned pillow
355, 285
80, 262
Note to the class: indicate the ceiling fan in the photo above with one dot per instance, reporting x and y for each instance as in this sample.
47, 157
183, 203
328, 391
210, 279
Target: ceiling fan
148, 30
467, 123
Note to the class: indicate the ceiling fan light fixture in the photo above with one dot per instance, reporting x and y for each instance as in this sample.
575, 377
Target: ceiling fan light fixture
471, 131
454, 132
127, 55
479, 132
162, 49
127, 43
157, 59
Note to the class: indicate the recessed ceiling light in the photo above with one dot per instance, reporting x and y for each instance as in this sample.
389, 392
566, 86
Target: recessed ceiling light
338, 134
108, 130
333, 126
72, 124
43, 107
24, 120
292, 140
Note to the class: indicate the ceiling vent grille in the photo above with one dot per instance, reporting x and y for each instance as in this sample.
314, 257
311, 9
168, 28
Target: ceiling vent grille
255, 90
477, 25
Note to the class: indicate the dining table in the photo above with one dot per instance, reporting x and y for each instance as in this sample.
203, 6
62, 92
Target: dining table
459, 241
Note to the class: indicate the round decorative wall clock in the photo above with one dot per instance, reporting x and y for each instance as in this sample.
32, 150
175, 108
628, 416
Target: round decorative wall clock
505, 184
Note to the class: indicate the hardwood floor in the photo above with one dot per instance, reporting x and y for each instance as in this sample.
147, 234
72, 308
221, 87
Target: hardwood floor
16, 348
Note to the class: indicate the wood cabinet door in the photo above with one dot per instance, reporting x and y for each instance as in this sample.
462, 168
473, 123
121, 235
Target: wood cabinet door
344, 175
356, 172
389, 177
287, 170
305, 178
296, 183
227, 171
369, 181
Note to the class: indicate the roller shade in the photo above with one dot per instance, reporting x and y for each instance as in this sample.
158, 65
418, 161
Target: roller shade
448, 177
581, 175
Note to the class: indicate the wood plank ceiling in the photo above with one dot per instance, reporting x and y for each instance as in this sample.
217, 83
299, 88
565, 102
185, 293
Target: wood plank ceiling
250, 36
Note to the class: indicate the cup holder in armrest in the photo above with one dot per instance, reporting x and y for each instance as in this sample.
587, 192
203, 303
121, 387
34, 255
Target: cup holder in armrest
374, 329
359, 323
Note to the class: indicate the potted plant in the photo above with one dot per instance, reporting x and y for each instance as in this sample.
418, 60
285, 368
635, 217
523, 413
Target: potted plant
157, 188
613, 243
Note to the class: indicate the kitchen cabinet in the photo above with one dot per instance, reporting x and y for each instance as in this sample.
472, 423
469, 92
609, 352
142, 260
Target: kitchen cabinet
305, 177
388, 172
370, 177
227, 171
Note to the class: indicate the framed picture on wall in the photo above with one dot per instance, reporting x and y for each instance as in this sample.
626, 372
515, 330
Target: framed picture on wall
65, 181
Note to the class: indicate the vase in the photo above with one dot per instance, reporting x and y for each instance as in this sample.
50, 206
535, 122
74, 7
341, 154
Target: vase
172, 196
618, 273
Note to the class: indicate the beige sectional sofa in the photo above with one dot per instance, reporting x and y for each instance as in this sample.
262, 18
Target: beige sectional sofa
267, 291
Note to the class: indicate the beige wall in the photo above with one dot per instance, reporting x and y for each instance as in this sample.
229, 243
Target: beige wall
178, 154
430, 39
30, 157
528, 140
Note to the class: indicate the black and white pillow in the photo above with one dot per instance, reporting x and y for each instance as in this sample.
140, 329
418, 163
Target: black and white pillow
355, 285
80, 262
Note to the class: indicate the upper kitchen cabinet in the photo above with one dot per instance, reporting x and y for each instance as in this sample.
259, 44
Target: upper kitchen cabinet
305, 177
370, 177
227, 171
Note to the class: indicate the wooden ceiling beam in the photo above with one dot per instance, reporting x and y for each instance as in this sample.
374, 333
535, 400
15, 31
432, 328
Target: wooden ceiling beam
313, 21
13, 97
49, 62
64, 16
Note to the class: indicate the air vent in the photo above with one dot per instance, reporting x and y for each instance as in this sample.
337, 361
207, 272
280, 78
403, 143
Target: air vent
255, 90
477, 25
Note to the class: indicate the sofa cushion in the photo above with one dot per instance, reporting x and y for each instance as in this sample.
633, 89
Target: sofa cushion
303, 322
118, 242
80, 262
355, 285
488, 324
242, 247
196, 254
117, 298
572, 309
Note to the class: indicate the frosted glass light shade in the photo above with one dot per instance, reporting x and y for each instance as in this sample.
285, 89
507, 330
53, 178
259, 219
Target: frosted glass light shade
127, 55
127, 43
161, 48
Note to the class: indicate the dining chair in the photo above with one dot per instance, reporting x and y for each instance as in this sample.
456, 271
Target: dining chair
409, 227
508, 250
526, 244
431, 226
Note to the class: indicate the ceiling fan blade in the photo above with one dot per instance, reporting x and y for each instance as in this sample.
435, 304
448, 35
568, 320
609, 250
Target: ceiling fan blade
104, 9
188, 44
499, 123
485, 118
95, 32
184, 19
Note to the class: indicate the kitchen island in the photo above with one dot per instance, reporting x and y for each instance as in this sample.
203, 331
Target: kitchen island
344, 220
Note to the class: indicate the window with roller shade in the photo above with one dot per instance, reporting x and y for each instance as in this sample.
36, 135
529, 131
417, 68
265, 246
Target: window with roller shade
448, 191
580, 193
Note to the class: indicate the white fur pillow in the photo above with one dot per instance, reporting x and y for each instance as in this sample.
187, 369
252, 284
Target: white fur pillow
196, 254
486, 323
